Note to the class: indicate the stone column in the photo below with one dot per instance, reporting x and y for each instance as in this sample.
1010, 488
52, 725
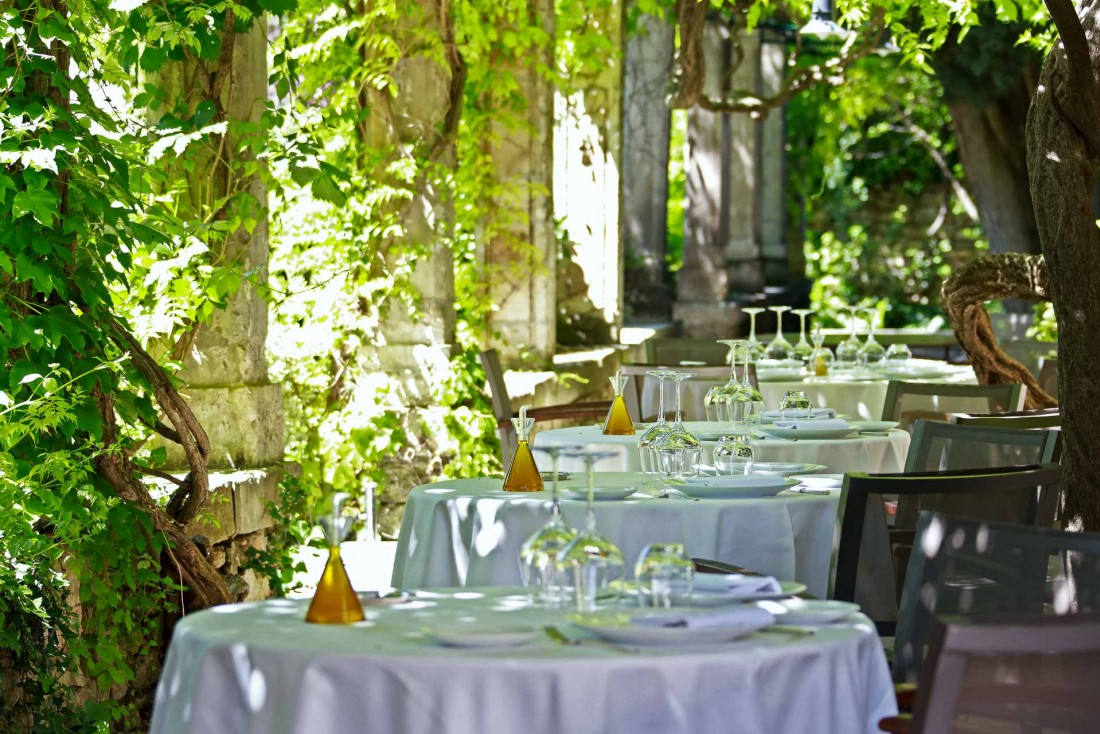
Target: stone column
520, 263
780, 263
645, 157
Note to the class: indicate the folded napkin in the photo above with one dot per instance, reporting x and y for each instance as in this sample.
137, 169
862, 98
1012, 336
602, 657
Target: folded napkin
815, 414
737, 480
735, 584
829, 424
748, 615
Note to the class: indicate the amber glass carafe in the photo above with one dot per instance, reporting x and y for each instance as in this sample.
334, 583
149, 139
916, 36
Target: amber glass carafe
335, 602
523, 474
618, 421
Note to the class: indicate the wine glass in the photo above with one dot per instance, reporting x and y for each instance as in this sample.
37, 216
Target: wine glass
718, 397
539, 554
794, 405
847, 352
821, 358
871, 353
802, 350
678, 452
646, 454
664, 574
756, 348
590, 561
734, 454
899, 354
780, 348
747, 404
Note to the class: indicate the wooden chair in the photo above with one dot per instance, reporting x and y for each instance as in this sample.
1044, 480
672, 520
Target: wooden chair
863, 569
1045, 418
502, 406
1008, 673
907, 402
640, 383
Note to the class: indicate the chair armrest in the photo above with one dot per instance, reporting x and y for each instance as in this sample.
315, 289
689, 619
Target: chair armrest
560, 412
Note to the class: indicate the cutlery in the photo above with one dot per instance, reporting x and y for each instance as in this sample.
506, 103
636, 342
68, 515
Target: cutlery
793, 631
810, 490
560, 637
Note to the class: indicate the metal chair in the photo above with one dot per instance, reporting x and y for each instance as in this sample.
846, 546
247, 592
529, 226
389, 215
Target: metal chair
1044, 418
907, 402
502, 406
863, 568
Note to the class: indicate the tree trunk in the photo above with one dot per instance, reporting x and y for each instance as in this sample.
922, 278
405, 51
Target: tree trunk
1063, 140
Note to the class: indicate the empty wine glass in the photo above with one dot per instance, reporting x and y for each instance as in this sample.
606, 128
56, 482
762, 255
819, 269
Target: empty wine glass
847, 352
664, 574
756, 348
899, 354
678, 452
734, 454
780, 348
539, 554
646, 454
821, 358
802, 349
871, 353
795, 405
718, 398
590, 562
748, 403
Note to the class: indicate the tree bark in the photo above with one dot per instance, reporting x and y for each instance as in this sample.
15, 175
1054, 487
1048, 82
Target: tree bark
1063, 140
964, 294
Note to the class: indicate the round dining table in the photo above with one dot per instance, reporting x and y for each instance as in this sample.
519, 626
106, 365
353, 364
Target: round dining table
875, 453
260, 668
468, 532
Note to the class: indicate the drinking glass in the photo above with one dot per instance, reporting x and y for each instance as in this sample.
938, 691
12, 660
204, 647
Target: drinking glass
821, 359
664, 575
646, 455
847, 352
734, 454
747, 404
899, 353
794, 405
539, 554
590, 562
678, 452
871, 353
756, 348
802, 350
718, 398
780, 348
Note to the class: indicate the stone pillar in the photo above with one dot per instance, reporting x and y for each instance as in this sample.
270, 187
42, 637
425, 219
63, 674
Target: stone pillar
520, 263
780, 262
645, 158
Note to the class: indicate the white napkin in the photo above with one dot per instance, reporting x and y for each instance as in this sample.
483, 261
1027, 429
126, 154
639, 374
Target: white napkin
816, 414
748, 615
737, 480
830, 424
735, 584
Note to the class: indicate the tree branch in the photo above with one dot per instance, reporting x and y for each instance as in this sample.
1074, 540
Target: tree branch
1079, 98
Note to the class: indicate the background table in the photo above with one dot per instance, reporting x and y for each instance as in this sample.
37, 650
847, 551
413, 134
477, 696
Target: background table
260, 668
874, 454
469, 531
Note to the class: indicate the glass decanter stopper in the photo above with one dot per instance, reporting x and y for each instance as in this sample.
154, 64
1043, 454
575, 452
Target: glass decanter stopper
618, 421
523, 475
335, 601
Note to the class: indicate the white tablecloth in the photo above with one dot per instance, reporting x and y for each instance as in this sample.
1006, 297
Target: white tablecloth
853, 398
468, 532
260, 669
874, 454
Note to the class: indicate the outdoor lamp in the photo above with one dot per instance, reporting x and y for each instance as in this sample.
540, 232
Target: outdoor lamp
821, 25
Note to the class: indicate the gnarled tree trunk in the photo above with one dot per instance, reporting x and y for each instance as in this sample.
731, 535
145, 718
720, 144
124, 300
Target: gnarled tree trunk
1063, 140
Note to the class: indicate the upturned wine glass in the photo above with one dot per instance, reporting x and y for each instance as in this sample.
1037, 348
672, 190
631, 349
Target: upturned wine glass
802, 349
871, 353
678, 452
718, 398
734, 454
756, 348
779, 348
747, 404
590, 562
646, 455
847, 352
539, 554
664, 574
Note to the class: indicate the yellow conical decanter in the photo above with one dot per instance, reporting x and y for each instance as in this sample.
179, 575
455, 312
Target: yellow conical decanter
618, 421
335, 601
523, 475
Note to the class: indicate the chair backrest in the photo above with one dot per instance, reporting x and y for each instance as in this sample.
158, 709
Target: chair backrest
1044, 418
971, 566
1011, 674
908, 401
863, 568
668, 351
641, 389
1048, 376
502, 404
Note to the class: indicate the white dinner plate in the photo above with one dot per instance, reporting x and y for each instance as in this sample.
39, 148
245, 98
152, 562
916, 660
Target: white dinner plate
785, 468
782, 374
628, 634
812, 611
714, 430
808, 434
601, 494
823, 481
484, 634
717, 491
876, 425
719, 598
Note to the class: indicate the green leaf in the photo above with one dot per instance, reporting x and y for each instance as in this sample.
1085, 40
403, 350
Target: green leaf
325, 188
278, 7
40, 203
